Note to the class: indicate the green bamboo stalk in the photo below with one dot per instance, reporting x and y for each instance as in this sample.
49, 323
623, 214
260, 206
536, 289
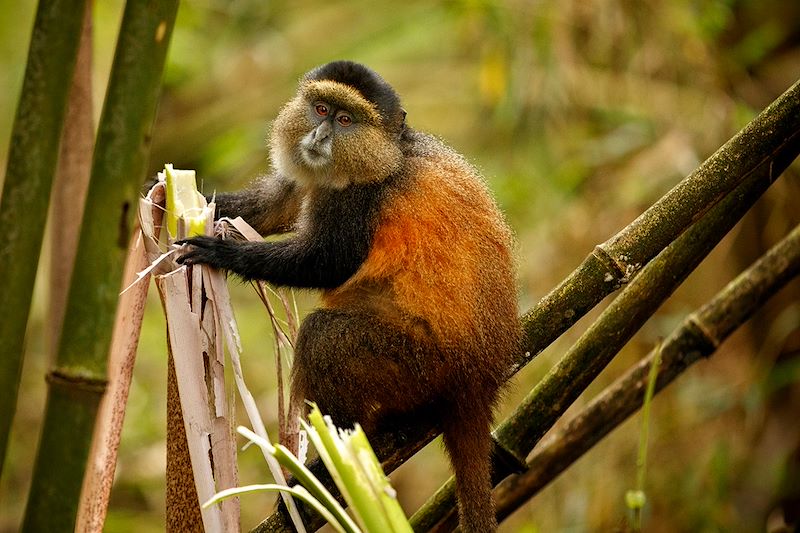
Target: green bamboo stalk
548, 400
760, 153
118, 168
29, 174
697, 337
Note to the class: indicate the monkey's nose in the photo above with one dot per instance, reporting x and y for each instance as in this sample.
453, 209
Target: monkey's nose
322, 132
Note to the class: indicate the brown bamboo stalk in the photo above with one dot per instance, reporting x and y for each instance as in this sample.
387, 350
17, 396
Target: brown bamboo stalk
180, 297
102, 460
71, 182
182, 501
765, 147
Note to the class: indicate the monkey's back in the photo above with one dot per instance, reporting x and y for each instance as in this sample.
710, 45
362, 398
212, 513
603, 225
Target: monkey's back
442, 255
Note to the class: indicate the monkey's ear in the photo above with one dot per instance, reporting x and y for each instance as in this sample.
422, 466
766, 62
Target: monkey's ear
402, 120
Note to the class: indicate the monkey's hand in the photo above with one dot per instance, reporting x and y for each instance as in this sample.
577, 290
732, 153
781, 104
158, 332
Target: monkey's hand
211, 251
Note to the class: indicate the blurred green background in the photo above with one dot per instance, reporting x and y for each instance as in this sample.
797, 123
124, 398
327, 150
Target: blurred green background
580, 113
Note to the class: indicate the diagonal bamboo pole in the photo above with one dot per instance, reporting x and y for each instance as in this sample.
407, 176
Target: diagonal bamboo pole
623, 317
29, 175
698, 337
78, 381
759, 153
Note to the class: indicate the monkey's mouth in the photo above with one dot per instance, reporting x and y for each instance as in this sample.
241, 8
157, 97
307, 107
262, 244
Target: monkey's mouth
315, 155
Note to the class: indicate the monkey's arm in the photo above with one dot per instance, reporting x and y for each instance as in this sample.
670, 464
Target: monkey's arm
332, 244
291, 262
270, 204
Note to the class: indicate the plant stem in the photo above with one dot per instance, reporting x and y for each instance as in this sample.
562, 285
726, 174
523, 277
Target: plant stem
641, 456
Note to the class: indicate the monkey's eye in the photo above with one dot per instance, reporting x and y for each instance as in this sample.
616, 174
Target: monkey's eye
321, 109
344, 120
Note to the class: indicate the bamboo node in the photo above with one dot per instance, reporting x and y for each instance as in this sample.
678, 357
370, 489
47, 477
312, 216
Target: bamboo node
76, 382
704, 334
617, 270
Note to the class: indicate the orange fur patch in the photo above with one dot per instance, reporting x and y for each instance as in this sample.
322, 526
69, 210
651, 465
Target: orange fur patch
443, 250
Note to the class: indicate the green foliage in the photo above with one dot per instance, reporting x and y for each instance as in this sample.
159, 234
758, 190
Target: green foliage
351, 462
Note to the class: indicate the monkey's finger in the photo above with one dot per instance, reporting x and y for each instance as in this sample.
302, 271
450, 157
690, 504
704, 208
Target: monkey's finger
202, 241
189, 258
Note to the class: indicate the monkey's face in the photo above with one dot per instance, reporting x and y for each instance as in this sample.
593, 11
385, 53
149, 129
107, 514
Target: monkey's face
331, 136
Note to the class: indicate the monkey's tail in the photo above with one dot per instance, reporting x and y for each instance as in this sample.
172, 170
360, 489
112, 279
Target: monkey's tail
467, 438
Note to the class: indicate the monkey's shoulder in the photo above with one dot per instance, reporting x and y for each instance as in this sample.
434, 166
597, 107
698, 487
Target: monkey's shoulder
442, 182
420, 146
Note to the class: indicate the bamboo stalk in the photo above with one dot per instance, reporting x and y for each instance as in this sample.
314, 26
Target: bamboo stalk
184, 328
102, 461
624, 316
29, 176
78, 381
71, 183
758, 154
698, 337
108, 429
201, 450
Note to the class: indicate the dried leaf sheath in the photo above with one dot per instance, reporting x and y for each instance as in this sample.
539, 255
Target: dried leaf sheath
200, 446
200, 322
184, 330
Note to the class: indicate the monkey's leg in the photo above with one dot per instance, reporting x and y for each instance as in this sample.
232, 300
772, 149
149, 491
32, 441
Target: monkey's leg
358, 367
468, 441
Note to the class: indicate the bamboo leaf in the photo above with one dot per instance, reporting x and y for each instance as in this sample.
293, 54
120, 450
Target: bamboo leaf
301, 473
357, 472
298, 492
